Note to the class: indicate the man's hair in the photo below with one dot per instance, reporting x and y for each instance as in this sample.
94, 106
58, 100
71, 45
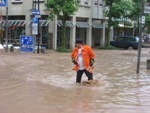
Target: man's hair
79, 41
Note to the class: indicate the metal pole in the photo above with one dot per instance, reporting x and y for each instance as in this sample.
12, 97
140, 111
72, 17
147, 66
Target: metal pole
140, 38
32, 4
38, 30
98, 9
6, 31
35, 4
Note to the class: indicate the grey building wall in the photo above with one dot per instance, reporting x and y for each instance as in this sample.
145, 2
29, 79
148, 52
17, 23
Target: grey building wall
87, 12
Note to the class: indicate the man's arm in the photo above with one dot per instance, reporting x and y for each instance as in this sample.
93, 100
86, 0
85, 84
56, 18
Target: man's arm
73, 56
92, 57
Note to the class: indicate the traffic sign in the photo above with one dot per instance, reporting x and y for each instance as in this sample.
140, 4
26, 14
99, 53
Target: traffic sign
35, 12
34, 26
37, 16
3, 2
27, 43
143, 19
34, 20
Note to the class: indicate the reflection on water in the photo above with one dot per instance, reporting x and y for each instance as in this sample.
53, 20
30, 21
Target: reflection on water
31, 83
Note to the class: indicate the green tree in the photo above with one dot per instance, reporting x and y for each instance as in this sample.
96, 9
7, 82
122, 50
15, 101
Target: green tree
63, 9
116, 10
147, 24
135, 10
135, 13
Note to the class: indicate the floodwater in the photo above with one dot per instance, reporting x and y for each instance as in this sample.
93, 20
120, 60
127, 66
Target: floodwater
45, 83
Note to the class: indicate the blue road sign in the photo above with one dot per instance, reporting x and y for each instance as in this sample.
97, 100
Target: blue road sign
3, 2
35, 12
34, 20
27, 44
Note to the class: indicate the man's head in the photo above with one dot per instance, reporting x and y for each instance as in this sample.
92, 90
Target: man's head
79, 43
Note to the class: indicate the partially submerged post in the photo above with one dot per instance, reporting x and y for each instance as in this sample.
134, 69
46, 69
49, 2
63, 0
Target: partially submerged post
140, 38
148, 64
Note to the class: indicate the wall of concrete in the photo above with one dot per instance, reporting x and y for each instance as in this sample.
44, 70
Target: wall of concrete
85, 12
23, 8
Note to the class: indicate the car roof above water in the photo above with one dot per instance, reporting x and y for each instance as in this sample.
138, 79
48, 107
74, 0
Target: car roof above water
131, 38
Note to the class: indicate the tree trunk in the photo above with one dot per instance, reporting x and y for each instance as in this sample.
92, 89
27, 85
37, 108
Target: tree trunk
118, 32
63, 32
109, 25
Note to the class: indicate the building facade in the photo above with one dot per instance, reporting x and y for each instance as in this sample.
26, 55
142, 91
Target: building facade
88, 23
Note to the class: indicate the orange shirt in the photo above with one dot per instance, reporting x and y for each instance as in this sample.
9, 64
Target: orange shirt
87, 55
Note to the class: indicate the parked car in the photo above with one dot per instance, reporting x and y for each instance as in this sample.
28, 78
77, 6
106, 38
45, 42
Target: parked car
126, 42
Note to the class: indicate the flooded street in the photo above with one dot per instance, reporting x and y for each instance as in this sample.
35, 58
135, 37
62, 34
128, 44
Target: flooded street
45, 83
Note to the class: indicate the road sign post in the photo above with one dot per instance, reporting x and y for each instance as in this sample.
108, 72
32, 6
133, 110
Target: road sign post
38, 51
6, 32
35, 24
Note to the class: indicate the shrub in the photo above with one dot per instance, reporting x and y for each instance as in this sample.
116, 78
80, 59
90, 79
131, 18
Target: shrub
63, 50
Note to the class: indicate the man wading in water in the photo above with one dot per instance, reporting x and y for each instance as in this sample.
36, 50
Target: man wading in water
83, 58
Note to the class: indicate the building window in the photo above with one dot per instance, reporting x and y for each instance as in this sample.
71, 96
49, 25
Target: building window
39, 0
86, 2
81, 2
96, 2
17, 1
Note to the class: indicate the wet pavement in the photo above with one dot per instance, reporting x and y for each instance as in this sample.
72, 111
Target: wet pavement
45, 83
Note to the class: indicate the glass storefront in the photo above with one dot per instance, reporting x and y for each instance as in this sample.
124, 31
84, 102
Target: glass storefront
16, 27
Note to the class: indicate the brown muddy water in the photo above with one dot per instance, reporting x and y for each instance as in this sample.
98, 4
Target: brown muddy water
45, 83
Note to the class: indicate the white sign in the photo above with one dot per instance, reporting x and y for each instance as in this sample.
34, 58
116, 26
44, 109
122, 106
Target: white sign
34, 28
147, 9
143, 19
37, 16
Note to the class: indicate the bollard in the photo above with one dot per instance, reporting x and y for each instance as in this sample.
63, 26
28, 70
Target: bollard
43, 50
148, 64
11, 49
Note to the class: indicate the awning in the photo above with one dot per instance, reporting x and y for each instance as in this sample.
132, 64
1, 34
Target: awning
97, 25
68, 23
41, 22
83, 24
44, 22
17, 23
